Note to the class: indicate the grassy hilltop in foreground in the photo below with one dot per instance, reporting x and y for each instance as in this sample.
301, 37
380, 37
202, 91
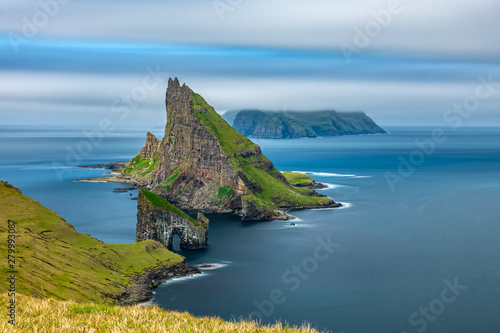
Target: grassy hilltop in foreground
49, 315
203, 163
54, 260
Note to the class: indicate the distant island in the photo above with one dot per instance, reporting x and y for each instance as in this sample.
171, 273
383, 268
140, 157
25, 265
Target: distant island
300, 124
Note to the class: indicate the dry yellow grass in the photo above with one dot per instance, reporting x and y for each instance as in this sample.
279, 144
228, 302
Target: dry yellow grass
48, 315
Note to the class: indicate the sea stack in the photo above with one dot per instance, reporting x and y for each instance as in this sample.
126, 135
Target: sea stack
203, 163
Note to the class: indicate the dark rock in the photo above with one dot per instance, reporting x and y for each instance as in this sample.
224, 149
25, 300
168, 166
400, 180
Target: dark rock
161, 225
203, 164
11, 187
141, 289
124, 189
114, 166
150, 147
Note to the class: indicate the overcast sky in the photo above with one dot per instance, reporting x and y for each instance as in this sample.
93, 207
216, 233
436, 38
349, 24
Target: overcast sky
407, 62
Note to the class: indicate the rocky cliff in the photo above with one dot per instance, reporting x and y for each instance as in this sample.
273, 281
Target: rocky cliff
158, 220
295, 124
203, 163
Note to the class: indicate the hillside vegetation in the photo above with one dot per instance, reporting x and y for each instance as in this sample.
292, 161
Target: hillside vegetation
270, 191
72, 278
298, 178
203, 163
49, 315
54, 260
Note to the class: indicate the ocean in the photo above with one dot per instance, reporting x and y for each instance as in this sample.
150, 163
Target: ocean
414, 249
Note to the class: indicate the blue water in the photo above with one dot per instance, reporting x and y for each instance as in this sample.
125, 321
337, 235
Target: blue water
395, 249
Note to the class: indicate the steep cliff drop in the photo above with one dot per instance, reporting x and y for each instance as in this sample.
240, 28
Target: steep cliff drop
203, 163
159, 220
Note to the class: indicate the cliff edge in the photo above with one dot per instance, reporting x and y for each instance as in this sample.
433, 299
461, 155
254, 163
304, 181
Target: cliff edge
159, 220
52, 259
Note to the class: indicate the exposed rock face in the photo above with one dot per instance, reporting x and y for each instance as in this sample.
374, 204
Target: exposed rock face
160, 223
203, 163
151, 147
295, 124
141, 288
190, 148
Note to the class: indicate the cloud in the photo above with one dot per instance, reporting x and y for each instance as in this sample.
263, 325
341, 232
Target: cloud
268, 54
90, 97
453, 28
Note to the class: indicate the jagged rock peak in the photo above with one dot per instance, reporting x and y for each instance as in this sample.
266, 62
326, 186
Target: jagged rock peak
175, 91
178, 104
203, 163
150, 147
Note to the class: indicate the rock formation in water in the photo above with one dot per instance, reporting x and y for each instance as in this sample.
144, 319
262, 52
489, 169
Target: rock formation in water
203, 163
296, 124
159, 220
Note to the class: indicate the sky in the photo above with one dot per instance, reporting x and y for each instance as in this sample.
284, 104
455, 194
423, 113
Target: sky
83, 63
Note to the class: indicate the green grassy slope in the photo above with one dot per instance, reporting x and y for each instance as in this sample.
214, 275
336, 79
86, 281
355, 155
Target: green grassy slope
272, 190
161, 203
232, 142
296, 178
54, 260
140, 166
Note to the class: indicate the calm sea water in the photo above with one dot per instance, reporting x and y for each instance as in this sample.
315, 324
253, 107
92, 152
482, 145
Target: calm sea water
420, 255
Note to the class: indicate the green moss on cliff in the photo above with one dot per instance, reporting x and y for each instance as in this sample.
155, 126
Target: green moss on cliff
296, 178
54, 260
232, 142
225, 192
272, 191
159, 202
223, 195
169, 181
139, 166
265, 182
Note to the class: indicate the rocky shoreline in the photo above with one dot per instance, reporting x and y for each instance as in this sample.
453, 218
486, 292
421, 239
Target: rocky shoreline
142, 286
116, 167
313, 186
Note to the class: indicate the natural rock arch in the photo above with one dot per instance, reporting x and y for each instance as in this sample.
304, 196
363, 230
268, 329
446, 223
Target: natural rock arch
159, 220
